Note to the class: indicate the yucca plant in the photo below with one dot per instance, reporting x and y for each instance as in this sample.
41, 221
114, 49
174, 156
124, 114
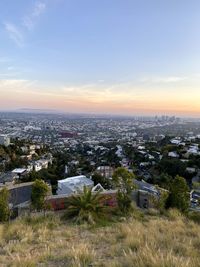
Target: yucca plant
86, 207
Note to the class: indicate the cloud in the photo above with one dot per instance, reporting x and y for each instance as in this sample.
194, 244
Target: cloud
28, 23
166, 79
13, 84
29, 20
90, 97
38, 9
14, 33
15, 87
5, 60
10, 68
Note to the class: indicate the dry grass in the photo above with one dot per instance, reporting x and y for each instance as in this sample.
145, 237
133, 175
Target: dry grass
152, 241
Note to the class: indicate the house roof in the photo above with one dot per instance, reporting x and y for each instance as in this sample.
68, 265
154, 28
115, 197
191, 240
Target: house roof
7, 177
146, 187
19, 170
19, 193
74, 183
75, 179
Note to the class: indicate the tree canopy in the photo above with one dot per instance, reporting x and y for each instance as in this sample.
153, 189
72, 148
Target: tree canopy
39, 192
123, 181
179, 194
4, 206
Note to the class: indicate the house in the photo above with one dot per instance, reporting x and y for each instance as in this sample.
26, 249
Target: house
144, 186
73, 185
37, 166
105, 171
190, 170
29, 168
19, 198
43, 162
144, 164
20, 172
32, 147
24, 149
195, 198
98, 188
175, 141
7, 178
19, 193
193, 150
173, 154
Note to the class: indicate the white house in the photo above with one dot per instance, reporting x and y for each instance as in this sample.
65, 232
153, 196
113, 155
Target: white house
73, 185
173, 154
19, 172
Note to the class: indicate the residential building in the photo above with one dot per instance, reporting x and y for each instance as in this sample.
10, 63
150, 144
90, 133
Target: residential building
73, 185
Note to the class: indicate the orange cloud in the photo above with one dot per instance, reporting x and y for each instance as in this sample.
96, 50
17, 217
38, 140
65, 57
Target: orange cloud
124, 99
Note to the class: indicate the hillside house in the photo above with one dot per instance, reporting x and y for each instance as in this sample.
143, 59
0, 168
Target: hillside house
73, 185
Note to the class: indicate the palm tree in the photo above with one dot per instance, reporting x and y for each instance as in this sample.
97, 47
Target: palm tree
86, 207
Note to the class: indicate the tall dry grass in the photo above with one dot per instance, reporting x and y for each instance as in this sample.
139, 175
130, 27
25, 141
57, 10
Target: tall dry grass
139, 241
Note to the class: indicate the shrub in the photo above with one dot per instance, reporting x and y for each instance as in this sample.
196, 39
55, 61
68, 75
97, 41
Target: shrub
194, 216
160, 202
123, 181
179, 196
4, 207
174, 214
39, 192
86, 207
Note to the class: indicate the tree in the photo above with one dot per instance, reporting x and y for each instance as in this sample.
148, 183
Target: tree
4, 206
172, 167
179, 194
123, 181
159, 202
98, 178
163, 180
86, 207
195, 185
39, 192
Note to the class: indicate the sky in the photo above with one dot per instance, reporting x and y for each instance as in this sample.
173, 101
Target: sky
134, 57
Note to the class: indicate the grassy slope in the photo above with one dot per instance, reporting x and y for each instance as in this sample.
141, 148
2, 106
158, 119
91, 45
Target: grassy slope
151, 241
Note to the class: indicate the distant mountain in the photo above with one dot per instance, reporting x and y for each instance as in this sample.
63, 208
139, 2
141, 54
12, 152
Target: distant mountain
34, 110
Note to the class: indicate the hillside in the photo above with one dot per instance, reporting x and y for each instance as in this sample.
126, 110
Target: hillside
141, 241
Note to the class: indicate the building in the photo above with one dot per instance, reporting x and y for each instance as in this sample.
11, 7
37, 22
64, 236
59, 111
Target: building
73, 185
105, 171
19, 198
173, 154
19, 172
4, 140
19, 193
8, 178
194, 198
144, 186
41, 164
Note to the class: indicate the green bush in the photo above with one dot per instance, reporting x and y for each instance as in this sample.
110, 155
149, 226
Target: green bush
194, 216
4, 206
39, 192
179, 195
86, 207
123, 182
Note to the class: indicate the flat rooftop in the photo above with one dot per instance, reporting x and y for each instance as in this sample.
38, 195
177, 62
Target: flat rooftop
19, 170
73, 179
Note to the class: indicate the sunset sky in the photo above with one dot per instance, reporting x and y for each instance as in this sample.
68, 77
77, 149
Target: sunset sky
135, 57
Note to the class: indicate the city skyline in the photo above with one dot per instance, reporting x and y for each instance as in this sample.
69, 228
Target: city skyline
117, 57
